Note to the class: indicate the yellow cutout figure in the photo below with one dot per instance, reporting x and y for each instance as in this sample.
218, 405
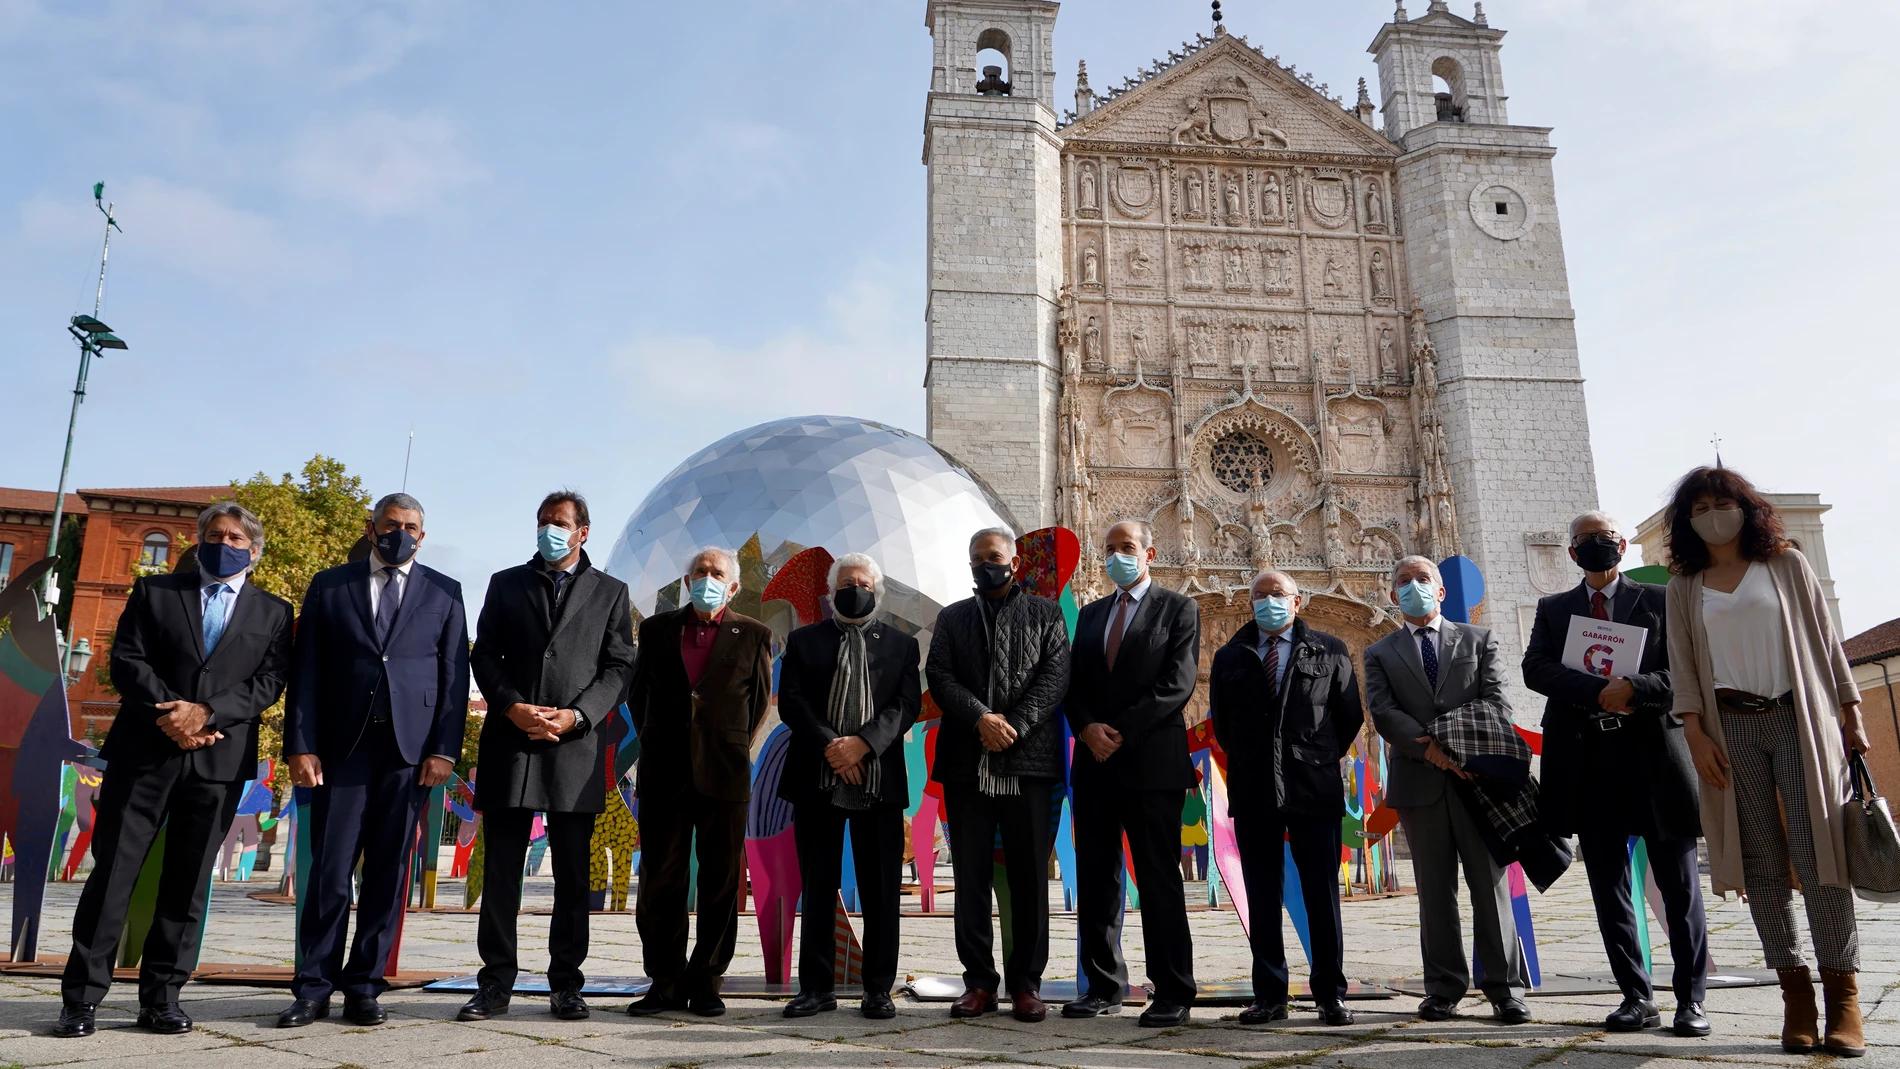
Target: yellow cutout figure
616, 833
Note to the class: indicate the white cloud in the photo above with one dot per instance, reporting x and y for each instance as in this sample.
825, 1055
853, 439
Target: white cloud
185, 227
381, 163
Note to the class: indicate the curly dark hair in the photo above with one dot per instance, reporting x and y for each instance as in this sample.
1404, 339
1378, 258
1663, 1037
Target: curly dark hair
1762, 531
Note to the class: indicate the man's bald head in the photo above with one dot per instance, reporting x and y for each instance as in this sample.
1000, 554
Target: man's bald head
1275, 584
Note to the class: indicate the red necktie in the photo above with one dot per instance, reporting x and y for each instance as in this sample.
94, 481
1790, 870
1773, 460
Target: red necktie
1116, 627
1273, 663
1599, 605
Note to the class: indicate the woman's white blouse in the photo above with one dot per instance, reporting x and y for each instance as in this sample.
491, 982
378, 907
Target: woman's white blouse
1747, 646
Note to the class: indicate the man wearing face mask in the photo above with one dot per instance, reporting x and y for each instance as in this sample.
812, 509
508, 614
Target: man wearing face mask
701, 689
1430, 666
373, 719
1136, 656
199, 654
1285, 708
998, 666
849, 690
553, 655
1615, 766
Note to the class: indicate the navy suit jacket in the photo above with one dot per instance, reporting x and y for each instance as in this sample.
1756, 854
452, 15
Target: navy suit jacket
337, 667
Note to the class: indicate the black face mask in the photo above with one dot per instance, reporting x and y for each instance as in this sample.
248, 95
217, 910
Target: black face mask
990, 576
853, 602
1598, 553
396, 547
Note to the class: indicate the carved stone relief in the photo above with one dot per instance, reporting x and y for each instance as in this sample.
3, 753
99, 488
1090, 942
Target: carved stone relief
1279, 267
1143, 269
1227, 114
1091, 266
1272, 198
1088, 198
1135, 189
1550, 569
1375, 205
1140, 429
1381, 276
1327, 200
1195, 270
1358, 432
1237, 268
1092, 346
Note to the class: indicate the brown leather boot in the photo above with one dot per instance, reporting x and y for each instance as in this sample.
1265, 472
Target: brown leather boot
1800, 1022
1843, 1014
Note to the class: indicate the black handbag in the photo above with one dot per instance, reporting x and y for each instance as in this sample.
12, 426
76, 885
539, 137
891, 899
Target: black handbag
1873, 844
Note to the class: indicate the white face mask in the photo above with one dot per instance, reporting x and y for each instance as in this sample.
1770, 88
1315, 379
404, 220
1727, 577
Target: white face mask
1718, 527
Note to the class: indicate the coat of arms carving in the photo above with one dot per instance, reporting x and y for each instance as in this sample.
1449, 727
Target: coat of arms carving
1550, 569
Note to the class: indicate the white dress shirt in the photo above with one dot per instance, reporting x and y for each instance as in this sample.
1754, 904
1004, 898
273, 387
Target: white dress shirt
208, 583
378, 579
1285, 641
1135, 594
1435, 626
1609, 594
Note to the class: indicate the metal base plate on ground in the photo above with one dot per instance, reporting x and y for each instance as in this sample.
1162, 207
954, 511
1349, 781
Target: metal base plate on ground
210, 972
627, 986
1224, 993
1571, 984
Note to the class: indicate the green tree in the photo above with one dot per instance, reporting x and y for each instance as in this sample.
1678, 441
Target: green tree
309, 525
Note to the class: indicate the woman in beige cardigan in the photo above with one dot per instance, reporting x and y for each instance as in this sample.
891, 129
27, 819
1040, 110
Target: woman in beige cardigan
1768, 707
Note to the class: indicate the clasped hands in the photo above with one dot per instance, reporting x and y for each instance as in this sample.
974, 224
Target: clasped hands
1615, 696
1438, 759
846, 755
1101, 740
188, 724
542, 723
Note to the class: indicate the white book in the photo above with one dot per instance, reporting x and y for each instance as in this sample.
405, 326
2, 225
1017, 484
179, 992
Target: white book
1604, 648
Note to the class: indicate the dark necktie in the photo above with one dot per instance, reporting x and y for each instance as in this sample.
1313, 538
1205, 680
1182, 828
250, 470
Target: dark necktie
1116, 626
1599, 605
1272, 664
1428, 652
387, 605
560, 587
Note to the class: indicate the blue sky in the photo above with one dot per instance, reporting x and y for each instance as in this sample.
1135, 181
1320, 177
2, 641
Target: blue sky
573, 242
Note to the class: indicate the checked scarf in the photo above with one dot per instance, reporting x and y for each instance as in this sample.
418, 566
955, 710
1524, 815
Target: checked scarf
1479, 738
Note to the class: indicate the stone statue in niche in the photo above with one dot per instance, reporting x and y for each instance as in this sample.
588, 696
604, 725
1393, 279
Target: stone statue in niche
1388, 362
1241, 351
1381, 277
1138, 342
1140, 264
1091, 266
1375, 205
1261, 529
1195, 202
1272, 201
1092, 345
1194, 265
1280, 343
1330, 284
1090, 200
1238, 277
1279, 269
1068, 329
1341, 359
1236, 210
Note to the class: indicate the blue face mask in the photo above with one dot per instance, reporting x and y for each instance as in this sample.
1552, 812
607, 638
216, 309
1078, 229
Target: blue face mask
708, 594
553, 542
1273, 613
1124, 568
220, 561
396, 547
1418, 598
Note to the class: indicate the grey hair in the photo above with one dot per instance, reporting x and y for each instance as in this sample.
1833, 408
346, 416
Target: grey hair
856, 560
731, 559
1142, 528
1003, 533
397, 501
1406, 562
253, 527
1600, 516
1290, 581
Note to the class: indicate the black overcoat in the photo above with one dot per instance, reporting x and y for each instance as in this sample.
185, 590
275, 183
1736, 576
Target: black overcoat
804, 693
1284, 745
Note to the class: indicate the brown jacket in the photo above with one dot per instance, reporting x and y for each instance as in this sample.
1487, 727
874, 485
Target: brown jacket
1822, 684
701, 736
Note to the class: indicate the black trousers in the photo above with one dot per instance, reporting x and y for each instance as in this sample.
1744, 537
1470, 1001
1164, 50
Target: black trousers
1152, 822
366, 807
1023, 819
1606, 858
1315, 843
505, 833
877, 853
132, 805
667, 826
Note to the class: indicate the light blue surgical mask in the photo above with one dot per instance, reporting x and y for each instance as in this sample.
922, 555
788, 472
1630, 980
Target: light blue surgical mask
708, 593
553, 541
1124, 568
1273, 613
1418, 598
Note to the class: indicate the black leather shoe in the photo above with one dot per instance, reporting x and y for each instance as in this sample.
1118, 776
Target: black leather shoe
1336, 1014
1164, 1013
76, 1019
568, 1005
1690, 1020
363, 1011
1263, 1013
877, 1005
707, 1005
302, 1012
1634, 1015
653, 1002
1091, 1006
1437, 1008
486, 1003
1511, 1011
811, 1004
166, 1020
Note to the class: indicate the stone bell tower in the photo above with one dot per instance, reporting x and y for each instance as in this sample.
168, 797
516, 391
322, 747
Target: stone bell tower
992, 380
1485, 256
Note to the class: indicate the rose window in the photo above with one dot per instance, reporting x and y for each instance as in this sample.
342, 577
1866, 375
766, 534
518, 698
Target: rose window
1242, 461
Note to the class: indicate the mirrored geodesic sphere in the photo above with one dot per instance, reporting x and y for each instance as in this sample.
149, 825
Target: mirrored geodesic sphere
849, 485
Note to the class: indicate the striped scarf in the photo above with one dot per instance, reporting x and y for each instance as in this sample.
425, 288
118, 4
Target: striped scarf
990, 778
846, 710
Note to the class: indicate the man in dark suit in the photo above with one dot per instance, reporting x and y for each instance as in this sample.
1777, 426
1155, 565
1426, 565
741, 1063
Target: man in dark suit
373, 719
1286, 709
1136, 657
1427, 667
553, 656
849, 690
198, 655
700, 691
1616, 766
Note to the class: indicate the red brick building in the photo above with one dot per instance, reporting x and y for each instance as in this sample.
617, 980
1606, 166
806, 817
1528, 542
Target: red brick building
124, 530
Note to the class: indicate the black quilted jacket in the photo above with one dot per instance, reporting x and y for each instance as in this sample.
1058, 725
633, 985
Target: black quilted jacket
1021, 673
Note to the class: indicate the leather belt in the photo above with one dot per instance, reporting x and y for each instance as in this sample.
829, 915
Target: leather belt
1742, 702
1609, 722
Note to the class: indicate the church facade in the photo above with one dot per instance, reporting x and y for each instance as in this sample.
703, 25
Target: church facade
1289, 331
